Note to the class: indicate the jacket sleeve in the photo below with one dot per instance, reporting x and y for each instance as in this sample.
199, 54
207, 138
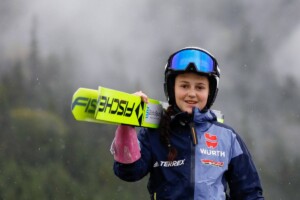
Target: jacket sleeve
140, 168
242, 176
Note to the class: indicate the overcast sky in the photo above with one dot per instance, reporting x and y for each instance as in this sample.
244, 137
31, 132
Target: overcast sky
123, 35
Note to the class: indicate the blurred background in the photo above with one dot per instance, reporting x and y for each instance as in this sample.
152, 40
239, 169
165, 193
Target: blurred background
49, 48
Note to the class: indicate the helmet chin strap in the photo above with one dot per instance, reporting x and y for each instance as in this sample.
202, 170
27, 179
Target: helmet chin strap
204, 109
176, 109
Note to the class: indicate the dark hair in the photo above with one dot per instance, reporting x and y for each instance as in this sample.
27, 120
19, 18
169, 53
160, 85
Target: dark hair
165, 132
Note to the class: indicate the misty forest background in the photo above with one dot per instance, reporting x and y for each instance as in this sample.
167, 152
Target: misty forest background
48, 49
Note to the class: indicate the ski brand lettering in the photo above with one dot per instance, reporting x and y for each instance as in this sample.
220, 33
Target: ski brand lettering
115, 106
90, 104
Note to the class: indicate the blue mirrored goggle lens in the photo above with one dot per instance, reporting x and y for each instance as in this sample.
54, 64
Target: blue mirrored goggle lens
202, 61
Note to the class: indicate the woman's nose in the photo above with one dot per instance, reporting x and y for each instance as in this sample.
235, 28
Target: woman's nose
191, 93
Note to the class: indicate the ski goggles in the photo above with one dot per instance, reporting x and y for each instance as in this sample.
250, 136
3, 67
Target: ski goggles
202, 61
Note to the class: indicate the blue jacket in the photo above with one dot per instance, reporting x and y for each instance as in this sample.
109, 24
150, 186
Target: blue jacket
200, 171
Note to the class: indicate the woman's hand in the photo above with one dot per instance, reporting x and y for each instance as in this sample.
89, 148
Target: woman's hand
143, 96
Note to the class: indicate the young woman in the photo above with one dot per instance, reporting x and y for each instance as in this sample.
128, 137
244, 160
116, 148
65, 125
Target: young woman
191, 155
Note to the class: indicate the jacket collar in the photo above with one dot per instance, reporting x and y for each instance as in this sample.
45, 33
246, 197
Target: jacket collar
201, 119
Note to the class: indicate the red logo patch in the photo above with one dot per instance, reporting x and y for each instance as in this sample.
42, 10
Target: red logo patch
211, 140
212, 162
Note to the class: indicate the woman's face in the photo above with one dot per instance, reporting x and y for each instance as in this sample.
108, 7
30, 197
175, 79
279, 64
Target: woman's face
191, 90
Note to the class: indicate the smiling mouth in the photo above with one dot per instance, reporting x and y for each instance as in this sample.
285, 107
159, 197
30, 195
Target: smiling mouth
191, 102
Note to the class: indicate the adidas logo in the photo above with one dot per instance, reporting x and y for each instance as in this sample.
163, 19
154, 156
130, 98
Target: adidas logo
156, 164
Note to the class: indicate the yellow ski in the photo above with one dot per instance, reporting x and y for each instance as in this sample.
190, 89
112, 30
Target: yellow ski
84, 103
115, 107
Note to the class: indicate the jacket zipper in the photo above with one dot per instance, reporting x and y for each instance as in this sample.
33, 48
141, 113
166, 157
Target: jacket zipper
192, 167
193, 133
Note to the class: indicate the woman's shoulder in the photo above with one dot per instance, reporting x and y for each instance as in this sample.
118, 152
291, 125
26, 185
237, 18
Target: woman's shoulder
225, 128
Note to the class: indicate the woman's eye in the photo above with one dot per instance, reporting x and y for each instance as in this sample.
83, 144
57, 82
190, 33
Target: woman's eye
200, 88
184, 86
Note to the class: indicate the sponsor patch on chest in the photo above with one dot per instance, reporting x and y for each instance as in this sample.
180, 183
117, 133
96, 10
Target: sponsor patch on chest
210, 152
212, 162
175, 163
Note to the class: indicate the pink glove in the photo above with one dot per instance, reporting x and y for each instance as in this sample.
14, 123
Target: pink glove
125, 147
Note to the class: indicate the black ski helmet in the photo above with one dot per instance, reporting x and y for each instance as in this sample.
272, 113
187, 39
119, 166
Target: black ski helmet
201, 57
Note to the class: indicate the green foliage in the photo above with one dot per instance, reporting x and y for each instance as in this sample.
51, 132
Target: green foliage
44, 152
21, 181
